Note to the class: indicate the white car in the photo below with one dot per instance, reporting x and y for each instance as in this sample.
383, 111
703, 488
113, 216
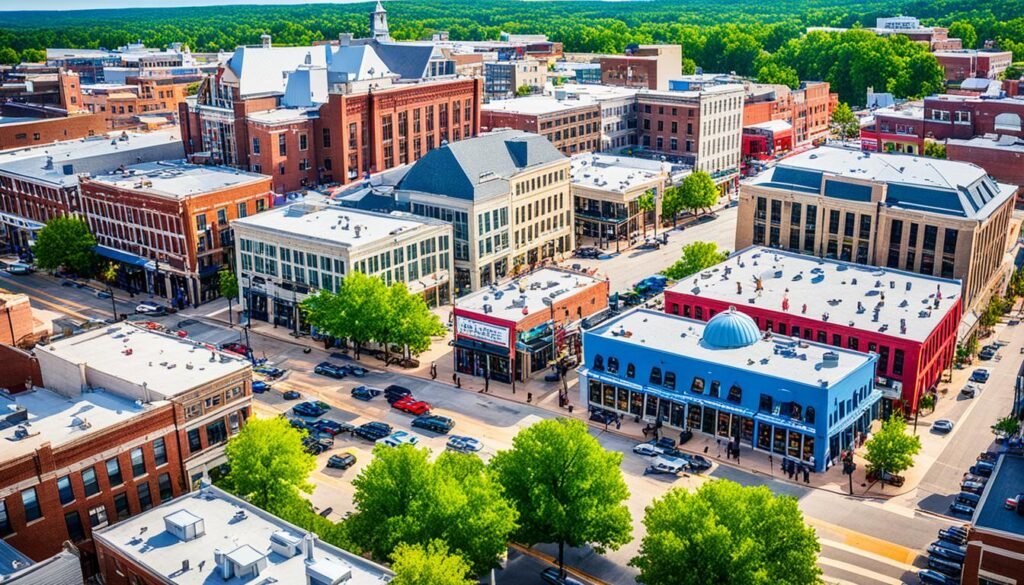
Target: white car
462, 444
970, 390
19, 268
646, 449
148, 307
942, 426
399, 438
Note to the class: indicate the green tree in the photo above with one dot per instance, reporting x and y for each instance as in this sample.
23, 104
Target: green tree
926, 402
672, 203
1006, 426
228, 285
8, 56
934, 149
33, 56
964, 30
725, 534
647, 204
269, 465
65, 241
697, 256
108, 274
778, 74
523, 91
567, 488
892, 449
410, 322
1014, 71
698, 191
415, 564
402, 497
844, 124
993, 312
354, 312
192, 88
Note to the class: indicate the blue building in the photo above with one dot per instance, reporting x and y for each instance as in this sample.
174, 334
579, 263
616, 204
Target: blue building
791, 397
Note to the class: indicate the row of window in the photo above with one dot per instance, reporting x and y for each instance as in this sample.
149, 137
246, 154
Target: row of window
667, 379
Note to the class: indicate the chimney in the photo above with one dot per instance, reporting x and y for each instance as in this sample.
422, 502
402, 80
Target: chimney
308, 544
265, 40
344, 39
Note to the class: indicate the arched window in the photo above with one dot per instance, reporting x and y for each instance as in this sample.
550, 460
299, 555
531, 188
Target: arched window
613, 364
735, 394
656, 375
795, 410
630, 370
598, 363
1008, 121
809, 415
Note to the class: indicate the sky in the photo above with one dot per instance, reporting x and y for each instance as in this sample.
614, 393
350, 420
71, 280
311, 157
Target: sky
92, 4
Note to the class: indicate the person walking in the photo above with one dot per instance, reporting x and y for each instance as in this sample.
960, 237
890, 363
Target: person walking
433, 371
807, 475
487, 383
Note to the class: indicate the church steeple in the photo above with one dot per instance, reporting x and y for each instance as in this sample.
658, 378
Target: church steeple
379, 24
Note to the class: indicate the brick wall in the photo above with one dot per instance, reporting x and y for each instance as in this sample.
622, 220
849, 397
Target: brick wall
16, 323
45, 131
1006, 166
20, 368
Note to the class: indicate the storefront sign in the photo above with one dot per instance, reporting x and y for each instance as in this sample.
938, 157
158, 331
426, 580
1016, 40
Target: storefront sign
481, 331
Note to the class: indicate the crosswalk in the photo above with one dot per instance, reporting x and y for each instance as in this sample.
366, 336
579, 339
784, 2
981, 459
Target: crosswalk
842, 563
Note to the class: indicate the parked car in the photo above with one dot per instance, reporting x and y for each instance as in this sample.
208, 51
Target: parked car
697, 463
311, 409
973, 487
398, 438
343, 461
954, 534
944, 566
300, 424
372, 431
332, 428
942, 426
269, 371
330, 370
365, 393
357, 371
988, 352
630, 299
970, 390
646, 449
968, 499
411, 405
259, 386
235, 347
102, 294
666, 465
1014, 502
437, 424
980, 470
980, 375
19, 268
930, 577
587, 252
148, 308
946, 553
603, 416
960, 509
463, 444
394, 392
291, 395
551, 576
988, 456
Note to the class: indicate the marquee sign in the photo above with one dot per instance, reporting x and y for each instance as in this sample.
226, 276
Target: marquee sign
481, 331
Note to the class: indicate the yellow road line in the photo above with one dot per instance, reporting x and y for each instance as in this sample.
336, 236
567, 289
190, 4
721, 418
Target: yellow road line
553, 561
56, 307
53, 296
864, 542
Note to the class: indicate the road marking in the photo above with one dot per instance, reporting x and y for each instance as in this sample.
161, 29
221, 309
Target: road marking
552, 561
859, 571
867, 554
864, 542
56, 307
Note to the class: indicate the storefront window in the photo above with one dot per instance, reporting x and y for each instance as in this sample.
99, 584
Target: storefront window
708, 421
764, 436
623, 402
652, 406
636, 403
595, 391
795, 411
609, 396
747, 430
808, 448
766, 403
779, 440
723, 424
693, 417
794, 444
678, 414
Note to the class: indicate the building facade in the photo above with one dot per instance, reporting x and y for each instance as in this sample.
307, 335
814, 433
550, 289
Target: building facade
964, 117
912, 325
1002, 157
970, 63
129, 105
929, 216
793, 398
894, 129
518, 328
643, 66
291, 252
807, 109
573, 126
503, 79
618, 111
167, 224
995, 539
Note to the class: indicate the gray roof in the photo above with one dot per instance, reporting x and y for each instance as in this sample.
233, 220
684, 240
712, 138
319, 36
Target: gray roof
11, 560
1007, 481
480, 167
408, 60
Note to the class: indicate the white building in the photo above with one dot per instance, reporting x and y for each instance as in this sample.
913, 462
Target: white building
285, 254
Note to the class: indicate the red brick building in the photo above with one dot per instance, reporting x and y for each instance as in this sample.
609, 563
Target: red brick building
967, 63
122, 106
41, 108
895, 129
572, 126
954, 116
807, 109
167, 224
1001, 157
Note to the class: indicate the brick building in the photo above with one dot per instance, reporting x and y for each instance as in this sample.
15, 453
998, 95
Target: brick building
128, 105
572, 125
40, 183
964, 117
930, 216
16, 323
968, 63
522, 326
41, 108
894, 129
935, 37
1001, 157
995, 540
808, 109
167, 224
643, 66
21, 369
913, 328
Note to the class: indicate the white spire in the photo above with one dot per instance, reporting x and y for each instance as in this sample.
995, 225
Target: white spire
379, 24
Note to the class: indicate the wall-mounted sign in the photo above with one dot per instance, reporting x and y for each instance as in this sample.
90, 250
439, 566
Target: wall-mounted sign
481, 331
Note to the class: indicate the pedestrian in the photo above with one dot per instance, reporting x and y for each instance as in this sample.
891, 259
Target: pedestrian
458, 382
529, 399
454, 377
810, 461
433, 371
705, 449
719, 441
618, 423
807, 475
737, 455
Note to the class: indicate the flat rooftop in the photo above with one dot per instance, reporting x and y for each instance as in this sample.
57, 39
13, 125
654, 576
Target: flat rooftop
536, 105
178, 179
284, 115
508, 300
617, 174
914, 112
167, 365
56, 419
1004, 142
838, 292
61, 162
242, 533
798, 361
691, 94
1006, 482
595, 91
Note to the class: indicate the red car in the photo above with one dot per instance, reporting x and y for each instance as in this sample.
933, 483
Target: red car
411, 405
238, 348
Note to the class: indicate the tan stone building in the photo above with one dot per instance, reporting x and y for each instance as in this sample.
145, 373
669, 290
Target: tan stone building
930, 216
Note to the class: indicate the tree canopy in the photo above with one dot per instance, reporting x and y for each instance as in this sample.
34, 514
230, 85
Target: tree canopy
698, 191
269, 466
567, 488
727, 534
415, 564
65, 241
402, 497
892, 449
696, 257
844, 124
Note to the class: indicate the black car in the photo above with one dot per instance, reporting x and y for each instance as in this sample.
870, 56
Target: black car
696, 462
953, 534
431, 422
551, 576
372, 431
313, 409
930, 577
947, 554
987, 353
968, 499
343, 461
944, 566
960, 509
394, 392
331, 370
357, 371
587, 252
603, 416
317, 445
291, 395
332, 428
981, 469
364, 393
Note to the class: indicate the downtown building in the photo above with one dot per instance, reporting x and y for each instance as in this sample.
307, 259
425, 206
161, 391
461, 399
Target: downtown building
39, 108
332, 112
166, 224
909, 321
995, 539
929, 216
643, 67
572, 125
291, 252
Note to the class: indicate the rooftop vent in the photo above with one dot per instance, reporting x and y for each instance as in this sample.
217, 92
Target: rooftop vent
184, 525
285, 543
829, 359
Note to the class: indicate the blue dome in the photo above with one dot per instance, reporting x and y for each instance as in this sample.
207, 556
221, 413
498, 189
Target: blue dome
730, 330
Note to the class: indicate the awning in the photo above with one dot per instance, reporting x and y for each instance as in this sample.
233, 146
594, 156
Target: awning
785, 422
122, 257
481, 347
610, 379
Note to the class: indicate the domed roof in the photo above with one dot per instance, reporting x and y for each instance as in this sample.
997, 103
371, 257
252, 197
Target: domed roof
730, 330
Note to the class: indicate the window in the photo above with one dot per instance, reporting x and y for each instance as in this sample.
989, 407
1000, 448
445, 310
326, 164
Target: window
30, 501
159, 452
194, 443
164, 485
697, 385
64, 489
282, 147
716, 386
138, 462
897, 362
613, 365
670, 380
216, 433
89, 482
656, 376
630, 370
145, 499
76, 532
735, 394
303, 142
5, 522
98, 517
114, 472
809, 415
255, 145
599, 363
121, 506
765, 405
